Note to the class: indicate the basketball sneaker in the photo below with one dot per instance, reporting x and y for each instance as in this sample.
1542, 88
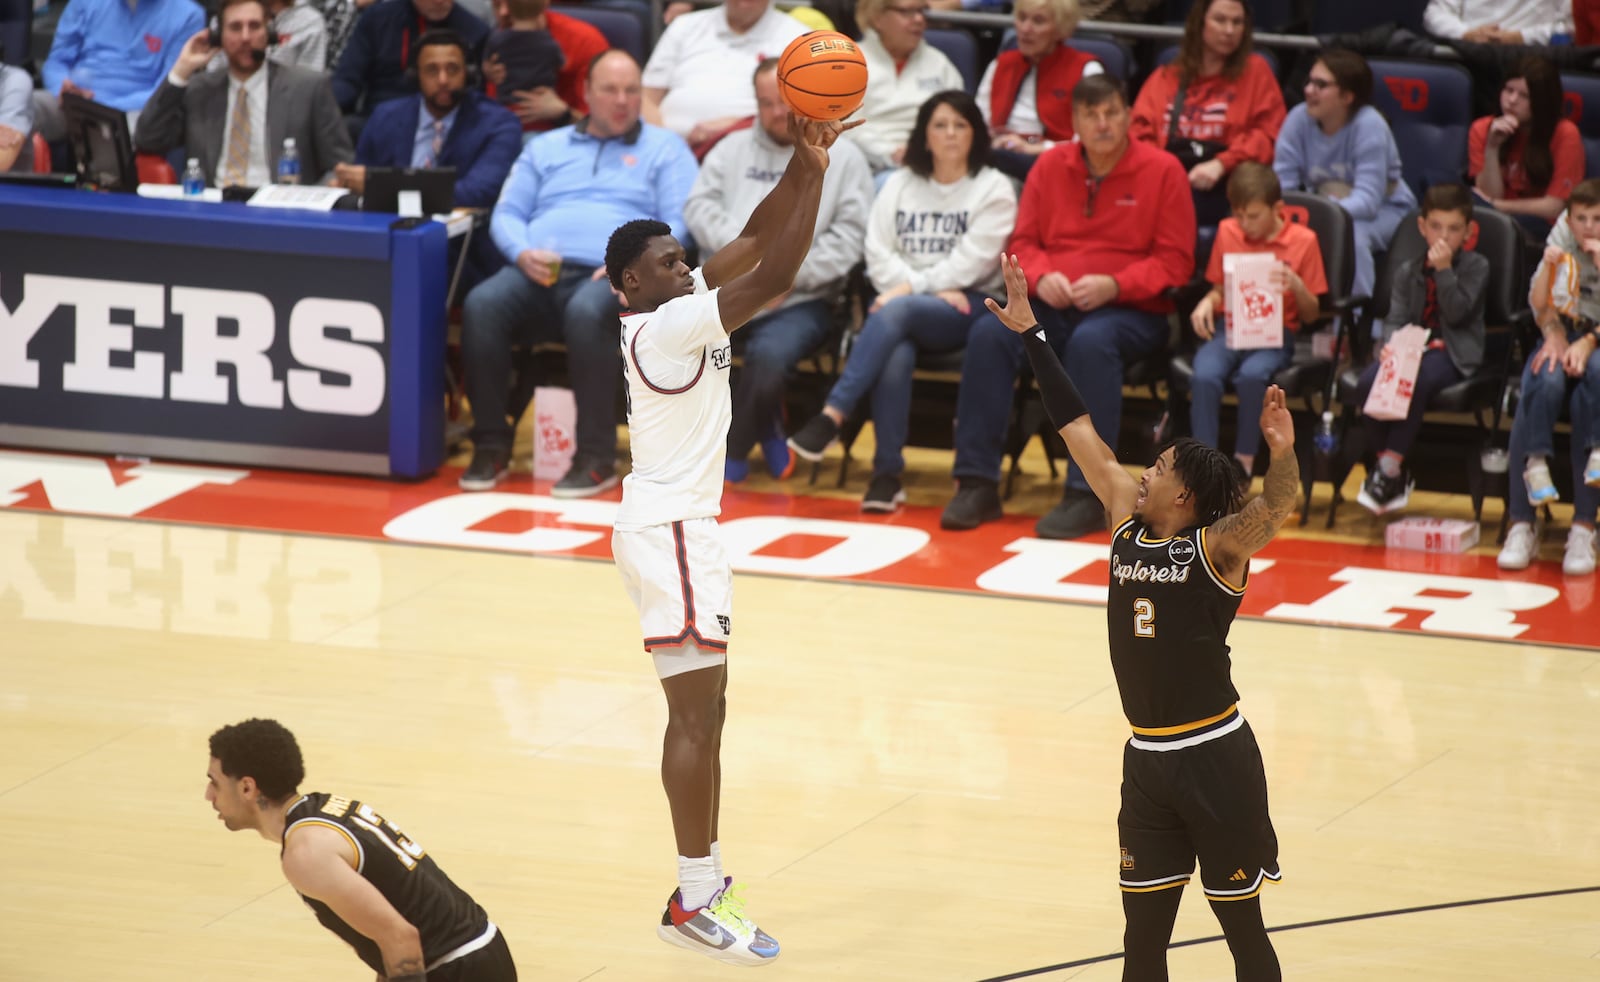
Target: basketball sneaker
718, 930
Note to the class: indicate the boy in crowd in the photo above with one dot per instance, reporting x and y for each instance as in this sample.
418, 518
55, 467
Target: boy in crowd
1258, 225
531, 56
1565, 297
1443, 291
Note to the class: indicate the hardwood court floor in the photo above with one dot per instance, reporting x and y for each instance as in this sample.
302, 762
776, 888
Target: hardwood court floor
919, 785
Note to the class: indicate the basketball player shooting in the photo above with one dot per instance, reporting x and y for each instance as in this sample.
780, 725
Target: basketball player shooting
1193, 784
676, 360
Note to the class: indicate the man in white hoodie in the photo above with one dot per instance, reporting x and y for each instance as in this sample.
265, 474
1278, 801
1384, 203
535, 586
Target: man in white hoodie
735, 176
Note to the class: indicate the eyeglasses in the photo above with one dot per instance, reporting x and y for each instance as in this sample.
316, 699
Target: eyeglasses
909, 11
1321, 83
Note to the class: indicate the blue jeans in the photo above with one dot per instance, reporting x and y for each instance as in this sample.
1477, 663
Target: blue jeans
884, 358
1372, 237
771, 346
508, 310
1095, 347
1533, 432
1435, 373
1215, 365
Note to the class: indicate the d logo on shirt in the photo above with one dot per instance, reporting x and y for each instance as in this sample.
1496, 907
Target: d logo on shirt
153, 43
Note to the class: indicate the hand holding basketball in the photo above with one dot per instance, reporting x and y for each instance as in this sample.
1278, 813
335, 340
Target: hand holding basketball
822, 75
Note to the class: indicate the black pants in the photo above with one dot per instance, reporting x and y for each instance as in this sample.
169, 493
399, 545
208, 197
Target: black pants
491, 963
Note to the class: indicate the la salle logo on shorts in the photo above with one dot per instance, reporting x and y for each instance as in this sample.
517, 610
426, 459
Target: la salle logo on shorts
726, 623
1127, 858
1181, 551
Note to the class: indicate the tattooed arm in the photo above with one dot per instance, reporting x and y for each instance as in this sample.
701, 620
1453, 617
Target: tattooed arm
1233, 539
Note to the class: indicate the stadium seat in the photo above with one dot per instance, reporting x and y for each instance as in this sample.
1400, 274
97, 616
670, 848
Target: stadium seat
1429, 108
41, 155
1581, 104
1498, 238
1111, 54
622, 29
154, 169
1308, 376
962, 50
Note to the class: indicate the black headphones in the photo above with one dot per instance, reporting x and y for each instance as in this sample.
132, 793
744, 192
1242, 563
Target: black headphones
442, 36
214, 31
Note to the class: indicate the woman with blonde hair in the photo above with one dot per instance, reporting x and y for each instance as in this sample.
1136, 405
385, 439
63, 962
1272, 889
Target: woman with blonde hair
902, 68
1026, 92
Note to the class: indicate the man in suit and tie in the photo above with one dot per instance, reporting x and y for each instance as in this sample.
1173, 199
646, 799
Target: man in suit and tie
235, 121
448, 124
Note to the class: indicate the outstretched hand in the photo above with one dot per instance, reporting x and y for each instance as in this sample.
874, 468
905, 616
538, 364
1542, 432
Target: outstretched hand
1017, 314
813, 137
1277, 426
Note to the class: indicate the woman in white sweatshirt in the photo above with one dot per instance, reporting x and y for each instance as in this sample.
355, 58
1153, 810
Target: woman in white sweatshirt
933, 253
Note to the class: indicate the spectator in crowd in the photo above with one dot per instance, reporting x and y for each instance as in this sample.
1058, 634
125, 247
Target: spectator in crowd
1526, 161
903, 70
1336, 144
235, 121
1104, 229
544, 107
373, 66
1258, 225
448, 124
1498, 21
1443, 291
1214, 106
528, 54
693, 82
933, 253
302, 36
567, 190
1565, 296
1586, 23
737, 174
16, 117
339, 17
113, 52
1026, 92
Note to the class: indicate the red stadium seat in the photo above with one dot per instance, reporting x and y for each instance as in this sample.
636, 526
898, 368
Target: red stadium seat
41, 155
154, 169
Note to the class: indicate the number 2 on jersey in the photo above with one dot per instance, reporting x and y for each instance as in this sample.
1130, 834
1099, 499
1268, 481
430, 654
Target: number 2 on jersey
1144, 617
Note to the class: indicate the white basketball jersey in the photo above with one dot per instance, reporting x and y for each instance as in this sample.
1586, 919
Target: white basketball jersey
676, 360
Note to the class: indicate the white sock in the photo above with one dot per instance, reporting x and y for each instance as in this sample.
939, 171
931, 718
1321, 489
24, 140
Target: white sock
698, 881
716, 860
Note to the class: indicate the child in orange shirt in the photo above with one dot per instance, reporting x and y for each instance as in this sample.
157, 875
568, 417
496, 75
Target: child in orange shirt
1258, 225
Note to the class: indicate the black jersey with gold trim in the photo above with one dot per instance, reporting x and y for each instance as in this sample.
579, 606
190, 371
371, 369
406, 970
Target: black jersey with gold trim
1168, 612
443, 914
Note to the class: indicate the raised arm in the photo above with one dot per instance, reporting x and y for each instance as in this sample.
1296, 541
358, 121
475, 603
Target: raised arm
778, 236
1233, 539
1115, 487
315, 863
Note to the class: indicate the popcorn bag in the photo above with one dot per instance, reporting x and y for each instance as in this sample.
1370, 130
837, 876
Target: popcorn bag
555, 432
1431, 534
1397, 376
1255, 309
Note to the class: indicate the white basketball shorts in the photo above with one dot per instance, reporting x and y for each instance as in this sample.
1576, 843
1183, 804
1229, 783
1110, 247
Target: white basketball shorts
682, 585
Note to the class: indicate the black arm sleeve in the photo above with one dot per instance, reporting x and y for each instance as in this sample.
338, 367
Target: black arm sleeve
1061, 399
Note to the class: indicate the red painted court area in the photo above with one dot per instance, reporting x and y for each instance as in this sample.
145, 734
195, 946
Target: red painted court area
1297, 580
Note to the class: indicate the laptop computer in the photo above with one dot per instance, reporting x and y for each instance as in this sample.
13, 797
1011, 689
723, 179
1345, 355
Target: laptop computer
436, 186
102, 147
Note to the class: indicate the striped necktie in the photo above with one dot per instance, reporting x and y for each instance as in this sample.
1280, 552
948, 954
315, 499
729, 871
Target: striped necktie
238, 165
437, 146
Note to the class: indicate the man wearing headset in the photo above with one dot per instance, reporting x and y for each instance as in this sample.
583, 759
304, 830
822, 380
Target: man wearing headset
448, 123
235, 121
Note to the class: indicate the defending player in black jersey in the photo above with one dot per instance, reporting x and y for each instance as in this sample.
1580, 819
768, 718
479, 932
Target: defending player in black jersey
1193, 784
366, 880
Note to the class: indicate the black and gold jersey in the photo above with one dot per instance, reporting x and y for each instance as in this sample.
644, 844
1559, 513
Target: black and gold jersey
443, 914
1168, 612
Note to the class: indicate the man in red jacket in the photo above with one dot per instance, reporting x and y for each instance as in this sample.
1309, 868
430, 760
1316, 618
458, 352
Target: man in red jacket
1104, 228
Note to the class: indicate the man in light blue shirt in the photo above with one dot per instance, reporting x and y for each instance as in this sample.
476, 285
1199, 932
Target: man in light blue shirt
115, 52
569, 189
16, 118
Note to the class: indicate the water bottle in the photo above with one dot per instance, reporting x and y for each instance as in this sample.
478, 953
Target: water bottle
1326, 440
289, 163
194, 179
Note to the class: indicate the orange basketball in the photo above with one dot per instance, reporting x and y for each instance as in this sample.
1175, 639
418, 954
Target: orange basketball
822, 75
